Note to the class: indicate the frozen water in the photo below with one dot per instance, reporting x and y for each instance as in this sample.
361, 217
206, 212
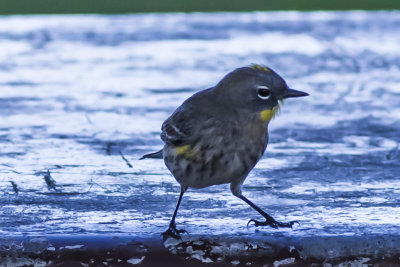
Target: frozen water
76, 91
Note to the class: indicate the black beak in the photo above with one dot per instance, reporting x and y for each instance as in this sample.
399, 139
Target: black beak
294, 93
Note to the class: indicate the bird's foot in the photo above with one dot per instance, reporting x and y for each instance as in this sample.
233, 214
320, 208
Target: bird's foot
273, 223
173, 232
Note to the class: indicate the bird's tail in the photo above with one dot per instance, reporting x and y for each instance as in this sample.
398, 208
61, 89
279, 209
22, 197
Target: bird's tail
154, 155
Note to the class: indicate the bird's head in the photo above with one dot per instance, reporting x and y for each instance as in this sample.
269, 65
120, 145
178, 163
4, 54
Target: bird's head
255, 88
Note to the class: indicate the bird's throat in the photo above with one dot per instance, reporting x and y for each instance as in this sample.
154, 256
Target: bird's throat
267, 114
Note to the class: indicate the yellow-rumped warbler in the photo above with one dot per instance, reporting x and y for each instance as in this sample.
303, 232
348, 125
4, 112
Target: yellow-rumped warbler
218, 135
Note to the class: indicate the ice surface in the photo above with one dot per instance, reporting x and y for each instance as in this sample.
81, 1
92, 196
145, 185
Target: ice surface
76, 91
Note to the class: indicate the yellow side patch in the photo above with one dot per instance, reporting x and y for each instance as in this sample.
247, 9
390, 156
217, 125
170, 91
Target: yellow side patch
185, 150
259, 67
267, 114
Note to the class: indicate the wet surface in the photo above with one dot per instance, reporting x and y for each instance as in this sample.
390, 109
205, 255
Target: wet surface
76, 92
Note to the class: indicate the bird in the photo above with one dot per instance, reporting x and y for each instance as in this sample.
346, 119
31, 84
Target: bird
219, 134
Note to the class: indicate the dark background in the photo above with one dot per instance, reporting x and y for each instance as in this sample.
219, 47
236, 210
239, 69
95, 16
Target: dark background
131, 6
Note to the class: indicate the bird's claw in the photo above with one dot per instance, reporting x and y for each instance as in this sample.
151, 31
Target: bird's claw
173, 232
273, 224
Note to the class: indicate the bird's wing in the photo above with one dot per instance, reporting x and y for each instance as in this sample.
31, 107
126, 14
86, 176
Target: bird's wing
178, 128
184, 125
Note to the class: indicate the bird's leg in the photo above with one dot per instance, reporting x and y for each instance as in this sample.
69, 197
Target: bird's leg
269, 221
172, 231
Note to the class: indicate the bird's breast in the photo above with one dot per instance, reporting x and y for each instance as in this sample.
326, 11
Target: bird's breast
221, 154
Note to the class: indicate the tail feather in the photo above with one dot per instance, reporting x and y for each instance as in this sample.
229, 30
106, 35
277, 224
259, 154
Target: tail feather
154, 155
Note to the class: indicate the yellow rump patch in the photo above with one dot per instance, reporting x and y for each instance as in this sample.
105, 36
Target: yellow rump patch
185, 151
260, 67
267, 114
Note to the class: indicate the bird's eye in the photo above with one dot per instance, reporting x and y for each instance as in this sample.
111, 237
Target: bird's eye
264, 92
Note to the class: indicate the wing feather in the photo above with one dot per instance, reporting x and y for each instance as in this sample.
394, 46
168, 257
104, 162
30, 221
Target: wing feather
184, 125
177, 129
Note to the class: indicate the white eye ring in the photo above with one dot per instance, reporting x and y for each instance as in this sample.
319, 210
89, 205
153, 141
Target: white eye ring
263, 92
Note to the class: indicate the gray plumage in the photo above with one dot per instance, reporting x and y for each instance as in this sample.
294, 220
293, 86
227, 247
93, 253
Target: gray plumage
218, 135
154, 155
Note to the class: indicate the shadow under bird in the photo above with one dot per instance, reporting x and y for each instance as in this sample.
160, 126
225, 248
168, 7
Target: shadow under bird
218, 135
